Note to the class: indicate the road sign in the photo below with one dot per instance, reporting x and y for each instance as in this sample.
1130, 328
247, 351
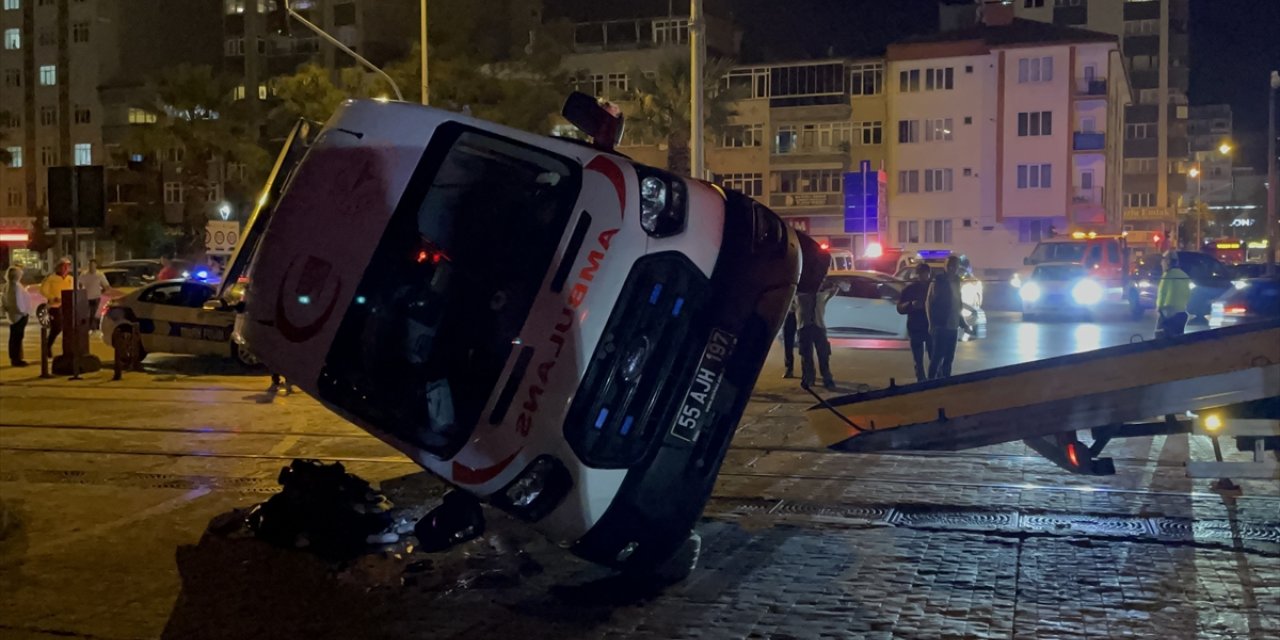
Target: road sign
89, 185
220, 236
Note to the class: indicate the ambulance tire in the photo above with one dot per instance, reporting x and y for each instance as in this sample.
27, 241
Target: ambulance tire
677, 568
457, 519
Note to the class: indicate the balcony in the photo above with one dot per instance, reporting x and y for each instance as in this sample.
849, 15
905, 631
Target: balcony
1086, 195
1091, 87
1089, 141
784, 200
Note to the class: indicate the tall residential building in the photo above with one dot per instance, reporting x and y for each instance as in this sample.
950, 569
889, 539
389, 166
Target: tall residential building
1155, 43
1211, 163
59, 60
1002, 134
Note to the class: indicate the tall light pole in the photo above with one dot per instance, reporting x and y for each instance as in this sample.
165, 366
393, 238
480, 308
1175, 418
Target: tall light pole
1273, 225
426, 97
697, 58
1195, 173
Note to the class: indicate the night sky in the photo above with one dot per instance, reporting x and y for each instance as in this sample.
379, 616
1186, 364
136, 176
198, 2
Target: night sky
1233, 42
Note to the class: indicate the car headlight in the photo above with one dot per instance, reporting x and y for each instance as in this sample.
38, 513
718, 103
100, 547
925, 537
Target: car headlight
536, 491
1087, 292
1030, 292
1144, 284
1016, 281
663, 202
1239, 284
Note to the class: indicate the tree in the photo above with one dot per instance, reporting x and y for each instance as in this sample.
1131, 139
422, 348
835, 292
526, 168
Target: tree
198, 115
143, 233
660, 106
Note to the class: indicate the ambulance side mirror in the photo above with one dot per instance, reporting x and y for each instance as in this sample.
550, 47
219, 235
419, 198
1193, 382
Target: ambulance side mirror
600, 120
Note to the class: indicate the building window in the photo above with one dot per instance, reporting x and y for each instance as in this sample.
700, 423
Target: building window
48, 116
938, 231
939, 79
1035, 123
1140, 131
84, 154
83, 114
1032, 4
870, 132
233, 47
909, 181
751, 184
937, 180
909, 81
807, 181
234, 6
238, 93
1147, 27
12, 5
48, 156
173, 193
141, 116
1139, 199
12, 39
1140, 165
1035, 176
737, 136
866, 79
908, 131
48, 75
15, 157
1148, 96
670, 31
14, 121
173, 154
13, 77
1033, 230
80, 32
938, 130
608, 85
1035, 69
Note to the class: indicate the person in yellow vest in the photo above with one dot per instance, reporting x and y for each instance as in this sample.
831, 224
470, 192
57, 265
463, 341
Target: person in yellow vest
52, 287
1172, 297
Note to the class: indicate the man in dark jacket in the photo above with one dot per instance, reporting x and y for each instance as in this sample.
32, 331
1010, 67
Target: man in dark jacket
789, 341
810, 311
944, 307
912, 305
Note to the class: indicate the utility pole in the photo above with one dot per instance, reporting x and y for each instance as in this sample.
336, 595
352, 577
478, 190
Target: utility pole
1273, 225
426, 98
697, 59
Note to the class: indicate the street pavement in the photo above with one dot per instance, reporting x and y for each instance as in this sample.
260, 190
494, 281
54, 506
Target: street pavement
107, 488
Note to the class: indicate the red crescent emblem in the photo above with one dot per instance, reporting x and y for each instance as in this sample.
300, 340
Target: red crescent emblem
295, 333
610, 170
463, 474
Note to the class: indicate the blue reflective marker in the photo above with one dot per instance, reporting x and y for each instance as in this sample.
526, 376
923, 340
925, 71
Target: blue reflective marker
604, 413
675, 311
304, 299
657, 291
626, 424
361, 300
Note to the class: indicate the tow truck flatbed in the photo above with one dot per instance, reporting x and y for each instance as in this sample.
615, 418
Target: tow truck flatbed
1032, 401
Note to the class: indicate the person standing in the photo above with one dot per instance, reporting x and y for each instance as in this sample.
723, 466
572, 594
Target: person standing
52, 287
944, 307
167, 270
94, 284
789, 340
1172, 297
912, 305
17, 305
810, 310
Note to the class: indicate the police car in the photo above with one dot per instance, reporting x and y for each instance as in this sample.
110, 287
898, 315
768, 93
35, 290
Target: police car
170, 317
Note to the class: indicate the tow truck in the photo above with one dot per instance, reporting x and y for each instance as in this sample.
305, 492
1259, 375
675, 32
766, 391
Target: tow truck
1226, 384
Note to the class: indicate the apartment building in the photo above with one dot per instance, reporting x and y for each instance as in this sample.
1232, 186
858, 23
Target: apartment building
1211, 165
1003, 134
1154, 39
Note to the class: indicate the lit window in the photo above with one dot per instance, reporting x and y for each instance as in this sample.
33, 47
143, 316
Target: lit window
12, 39
84, 154
48, 75
141, 116
15, 157
238, 93
12, 5
262, 91
234, 6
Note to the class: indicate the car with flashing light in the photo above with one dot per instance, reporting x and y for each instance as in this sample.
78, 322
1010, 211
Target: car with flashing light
1210, 278
552, 328
169, 317
1060, 289
971, 288
865, 305
1251, 300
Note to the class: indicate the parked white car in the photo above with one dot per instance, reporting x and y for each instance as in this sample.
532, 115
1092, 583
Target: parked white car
170, 318
868, 308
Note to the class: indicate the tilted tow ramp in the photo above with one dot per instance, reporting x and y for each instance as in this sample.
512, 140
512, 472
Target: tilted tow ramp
1128, 390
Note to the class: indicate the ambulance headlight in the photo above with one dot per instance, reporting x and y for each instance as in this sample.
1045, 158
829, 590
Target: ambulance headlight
1087, 292
663, 202
1030, 292
536, 491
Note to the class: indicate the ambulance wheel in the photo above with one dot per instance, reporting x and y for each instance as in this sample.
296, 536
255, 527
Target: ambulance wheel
457, 519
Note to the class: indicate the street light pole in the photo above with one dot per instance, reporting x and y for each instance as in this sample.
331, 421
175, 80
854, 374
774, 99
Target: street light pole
697, 57
1273, 225
1199, 215
426, 99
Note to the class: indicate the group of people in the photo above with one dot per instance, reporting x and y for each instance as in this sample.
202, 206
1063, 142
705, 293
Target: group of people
935, 318
19, 306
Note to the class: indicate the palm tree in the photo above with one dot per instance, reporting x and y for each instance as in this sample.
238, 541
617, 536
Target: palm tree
661, 104
197, 114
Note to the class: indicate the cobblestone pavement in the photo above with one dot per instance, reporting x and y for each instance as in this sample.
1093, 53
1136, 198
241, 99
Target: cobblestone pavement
106, 489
